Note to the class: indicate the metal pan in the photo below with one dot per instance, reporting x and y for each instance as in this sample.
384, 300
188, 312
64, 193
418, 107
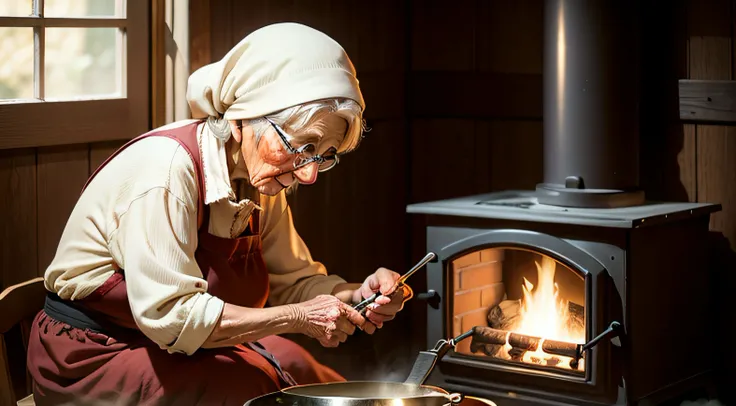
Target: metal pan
411, 392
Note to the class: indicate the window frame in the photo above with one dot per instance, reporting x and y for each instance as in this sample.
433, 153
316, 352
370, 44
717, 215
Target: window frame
36, 123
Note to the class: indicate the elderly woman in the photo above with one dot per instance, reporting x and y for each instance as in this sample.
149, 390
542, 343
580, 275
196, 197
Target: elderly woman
180, 265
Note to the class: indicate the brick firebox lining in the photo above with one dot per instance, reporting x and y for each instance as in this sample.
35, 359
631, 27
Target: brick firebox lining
478, 284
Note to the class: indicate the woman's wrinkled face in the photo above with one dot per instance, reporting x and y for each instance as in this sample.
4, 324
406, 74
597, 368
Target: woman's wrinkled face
271, 166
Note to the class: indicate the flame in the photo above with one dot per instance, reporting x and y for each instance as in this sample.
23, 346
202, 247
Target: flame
545, 315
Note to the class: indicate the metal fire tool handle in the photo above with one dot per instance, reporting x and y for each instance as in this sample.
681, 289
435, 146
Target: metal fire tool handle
427, 258
426, 360
613, 330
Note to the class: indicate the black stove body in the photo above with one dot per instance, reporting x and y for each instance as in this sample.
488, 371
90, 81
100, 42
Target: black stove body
641, 269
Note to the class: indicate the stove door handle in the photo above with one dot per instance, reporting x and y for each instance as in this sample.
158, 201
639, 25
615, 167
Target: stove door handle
432, 297
613, 331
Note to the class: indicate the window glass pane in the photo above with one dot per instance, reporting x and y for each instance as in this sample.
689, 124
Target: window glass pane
82, 62
16, 65
80, 8
16, 8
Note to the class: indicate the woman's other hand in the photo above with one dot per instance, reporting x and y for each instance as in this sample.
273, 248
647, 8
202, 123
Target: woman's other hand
389, 303
328, 320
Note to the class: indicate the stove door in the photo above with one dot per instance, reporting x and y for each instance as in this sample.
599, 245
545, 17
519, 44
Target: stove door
534, 300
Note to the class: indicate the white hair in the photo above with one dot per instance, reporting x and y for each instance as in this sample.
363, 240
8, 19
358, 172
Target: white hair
300, 118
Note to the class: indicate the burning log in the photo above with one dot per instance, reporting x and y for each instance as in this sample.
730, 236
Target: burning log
576, 317
560, 348
492, 350
524, 342
505, 315
492, 342
520, 343
488, 335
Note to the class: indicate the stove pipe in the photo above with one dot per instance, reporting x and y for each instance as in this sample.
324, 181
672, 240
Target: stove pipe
591, 104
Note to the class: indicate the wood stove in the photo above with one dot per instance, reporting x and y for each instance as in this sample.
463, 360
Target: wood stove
544, 280
581, 291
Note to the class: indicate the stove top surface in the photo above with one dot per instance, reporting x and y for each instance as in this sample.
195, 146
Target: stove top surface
524, 206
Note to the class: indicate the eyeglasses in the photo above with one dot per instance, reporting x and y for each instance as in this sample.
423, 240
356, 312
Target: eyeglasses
305, 154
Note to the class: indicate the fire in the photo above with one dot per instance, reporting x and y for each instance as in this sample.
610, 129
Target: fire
543, 314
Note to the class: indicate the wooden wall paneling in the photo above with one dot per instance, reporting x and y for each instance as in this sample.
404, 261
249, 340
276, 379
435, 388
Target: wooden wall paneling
717, 176
667, 148
687, 161
442, 35
516, 156
7, 390
200, 34
379, 55
378, 196
708, 101
377, 200
62, 172
221, 21
710, 33
710, 58
442, 155
380, 45
483, 155
247, 16
385, 96
487, 95
509, 36
336, 214
443, 159
710, 18
158, 41
99, 152
382, 60
19, 246
336, 18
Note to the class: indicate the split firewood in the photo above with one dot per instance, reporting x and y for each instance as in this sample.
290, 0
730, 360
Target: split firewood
524, 342
520, 342
576, 317
488, 335
560, 348
505, 315
490, 350
516, 354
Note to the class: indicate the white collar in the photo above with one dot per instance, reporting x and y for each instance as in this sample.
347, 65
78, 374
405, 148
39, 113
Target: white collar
214, 166
228, 218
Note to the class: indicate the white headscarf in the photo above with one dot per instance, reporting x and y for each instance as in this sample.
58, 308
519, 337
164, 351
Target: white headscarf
275, 67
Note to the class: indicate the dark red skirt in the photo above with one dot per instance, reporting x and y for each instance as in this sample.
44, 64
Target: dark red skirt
75, 366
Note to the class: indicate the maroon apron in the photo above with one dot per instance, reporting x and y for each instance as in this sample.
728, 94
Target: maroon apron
123, 367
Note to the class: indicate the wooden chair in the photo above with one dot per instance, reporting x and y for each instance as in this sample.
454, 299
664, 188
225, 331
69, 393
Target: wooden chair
19, 304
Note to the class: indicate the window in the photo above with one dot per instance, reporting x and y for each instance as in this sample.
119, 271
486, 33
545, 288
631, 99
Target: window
73, 71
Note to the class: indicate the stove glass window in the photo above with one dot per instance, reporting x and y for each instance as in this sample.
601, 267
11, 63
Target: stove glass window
528, 306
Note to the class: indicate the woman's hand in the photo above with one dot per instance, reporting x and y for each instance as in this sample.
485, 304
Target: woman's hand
389, 303
328, 319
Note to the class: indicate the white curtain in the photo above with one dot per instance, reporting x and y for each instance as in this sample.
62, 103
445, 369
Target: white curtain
177, 59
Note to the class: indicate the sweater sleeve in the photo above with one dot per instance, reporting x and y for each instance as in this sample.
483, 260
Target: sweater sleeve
294, 275
155, 243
